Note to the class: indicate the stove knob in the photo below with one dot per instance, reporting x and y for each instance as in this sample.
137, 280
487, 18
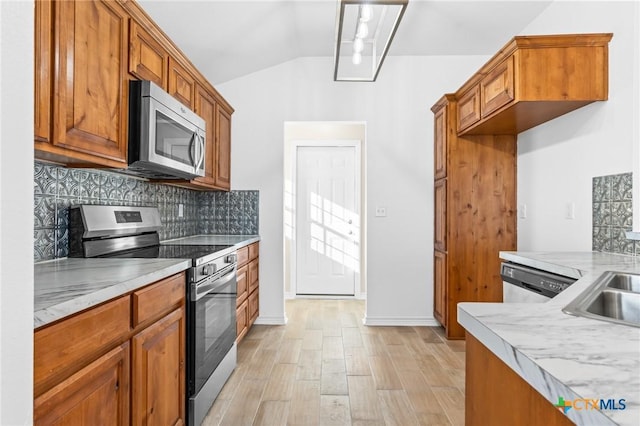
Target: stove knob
231, 258
209, 269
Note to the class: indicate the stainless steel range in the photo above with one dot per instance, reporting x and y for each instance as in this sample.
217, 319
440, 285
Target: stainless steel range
132, 232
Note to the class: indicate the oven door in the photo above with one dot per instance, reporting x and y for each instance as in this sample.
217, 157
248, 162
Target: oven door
211, 325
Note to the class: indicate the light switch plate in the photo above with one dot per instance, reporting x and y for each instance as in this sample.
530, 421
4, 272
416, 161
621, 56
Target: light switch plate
381, 212
180, 210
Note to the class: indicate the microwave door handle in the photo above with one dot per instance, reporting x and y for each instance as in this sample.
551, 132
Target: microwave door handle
202, 146
192, 149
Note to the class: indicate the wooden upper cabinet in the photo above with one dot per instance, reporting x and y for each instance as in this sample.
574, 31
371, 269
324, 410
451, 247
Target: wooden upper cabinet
223, 148
148, 60
182, 85
91, 84
205, 107
534, 79
42, 60
469, 108
496, 89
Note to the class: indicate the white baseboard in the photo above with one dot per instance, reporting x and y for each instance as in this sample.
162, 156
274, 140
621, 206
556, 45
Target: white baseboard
275, 320
287, 296
400, 321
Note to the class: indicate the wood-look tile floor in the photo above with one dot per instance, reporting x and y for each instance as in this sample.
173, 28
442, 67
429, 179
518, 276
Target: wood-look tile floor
326, 368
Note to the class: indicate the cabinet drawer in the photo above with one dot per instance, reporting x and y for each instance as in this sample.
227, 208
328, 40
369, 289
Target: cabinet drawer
469, 108
156, 299
242, 320
243, 285
254, 305
69, 345
496, 89
243, 256
254, 271
253, 251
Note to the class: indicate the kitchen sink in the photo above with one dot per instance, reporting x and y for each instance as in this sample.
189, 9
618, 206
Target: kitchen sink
614, 297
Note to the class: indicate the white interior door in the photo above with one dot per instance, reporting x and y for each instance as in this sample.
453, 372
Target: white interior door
327, 221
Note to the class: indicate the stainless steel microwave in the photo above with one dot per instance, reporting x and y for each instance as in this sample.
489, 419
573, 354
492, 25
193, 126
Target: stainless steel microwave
166, 139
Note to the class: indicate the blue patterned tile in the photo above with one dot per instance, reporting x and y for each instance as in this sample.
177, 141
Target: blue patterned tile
619, 242
622, 213
44, 244
622, 187
251, 226
44, 211
601, 238
45, 179
62, 242
62, 211
601, 189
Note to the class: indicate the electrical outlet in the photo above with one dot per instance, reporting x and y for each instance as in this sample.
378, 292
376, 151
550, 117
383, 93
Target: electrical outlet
381, 212
180, 210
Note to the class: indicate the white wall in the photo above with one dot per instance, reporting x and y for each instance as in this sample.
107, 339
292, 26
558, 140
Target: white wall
16, 227
399, 161
557, 161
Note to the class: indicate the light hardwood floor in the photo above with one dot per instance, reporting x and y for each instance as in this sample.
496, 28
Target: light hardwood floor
326, 368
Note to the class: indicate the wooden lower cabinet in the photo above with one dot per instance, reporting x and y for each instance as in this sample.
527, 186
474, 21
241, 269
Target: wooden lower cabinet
97, 394
158, 381
109, 365
242, 320
496, 395
248, 299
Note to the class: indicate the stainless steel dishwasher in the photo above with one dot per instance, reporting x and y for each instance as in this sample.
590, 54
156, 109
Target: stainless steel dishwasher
523, 284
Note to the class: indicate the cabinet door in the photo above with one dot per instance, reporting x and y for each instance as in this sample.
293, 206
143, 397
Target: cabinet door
440, 143
469, 108
98, 392
440, 216
497, 88
254, 305
181, 83
223, 148
42, 60
440, 287
254, 274
91, 91
243, 285
205, 107
147, 59
242, 320
158, 379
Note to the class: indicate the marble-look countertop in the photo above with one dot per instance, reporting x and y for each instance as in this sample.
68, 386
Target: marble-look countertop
561, 355
66, 286
230, 240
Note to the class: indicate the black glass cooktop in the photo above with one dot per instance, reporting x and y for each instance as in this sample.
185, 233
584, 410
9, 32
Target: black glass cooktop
170, 252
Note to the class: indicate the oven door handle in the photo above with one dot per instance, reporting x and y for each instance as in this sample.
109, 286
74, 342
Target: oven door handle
199, 290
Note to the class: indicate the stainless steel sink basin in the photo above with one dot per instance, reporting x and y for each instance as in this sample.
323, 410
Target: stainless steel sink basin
614, 297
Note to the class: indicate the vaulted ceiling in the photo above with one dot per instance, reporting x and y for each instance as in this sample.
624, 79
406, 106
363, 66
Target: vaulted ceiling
227, 39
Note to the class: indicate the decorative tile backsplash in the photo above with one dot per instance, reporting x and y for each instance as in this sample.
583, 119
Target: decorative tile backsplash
613, 214
57, 188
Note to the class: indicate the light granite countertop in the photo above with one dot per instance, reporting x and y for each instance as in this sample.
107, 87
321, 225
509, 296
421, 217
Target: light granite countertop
66, 286
204, 239
561, 355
